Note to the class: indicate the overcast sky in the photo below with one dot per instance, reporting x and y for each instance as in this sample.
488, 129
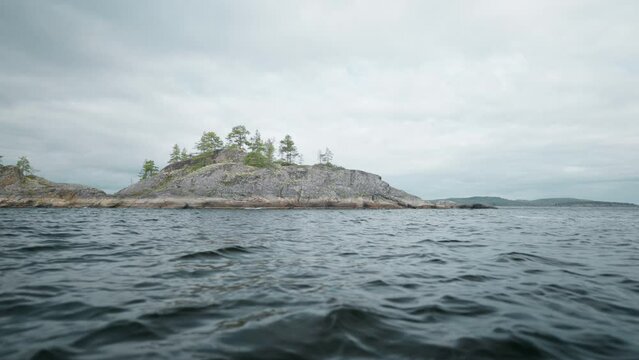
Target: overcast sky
521, 99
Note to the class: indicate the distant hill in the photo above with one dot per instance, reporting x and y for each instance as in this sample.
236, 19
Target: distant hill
498, 201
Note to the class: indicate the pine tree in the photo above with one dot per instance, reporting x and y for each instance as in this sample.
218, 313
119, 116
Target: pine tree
184, 155
325, 157
288, 150
269, 150
148, 169
175, 154
209, 142
256, 143
238, 137
24, 166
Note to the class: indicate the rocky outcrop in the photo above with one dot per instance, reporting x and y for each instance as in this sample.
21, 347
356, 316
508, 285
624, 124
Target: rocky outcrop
16, 186
220, 180
232, 184
474, 206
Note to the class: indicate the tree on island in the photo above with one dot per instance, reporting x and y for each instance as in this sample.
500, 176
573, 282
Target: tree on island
258, 155
238, 137
175, 155
256, 143
209, 142
325, 157
184, 155
269, 150
24, 166
148, 169
0, 159
288, 150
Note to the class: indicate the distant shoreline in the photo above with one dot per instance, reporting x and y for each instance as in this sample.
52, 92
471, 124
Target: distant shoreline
547, 202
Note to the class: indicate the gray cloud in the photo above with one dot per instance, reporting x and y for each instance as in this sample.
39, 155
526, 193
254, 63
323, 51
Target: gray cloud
523, 99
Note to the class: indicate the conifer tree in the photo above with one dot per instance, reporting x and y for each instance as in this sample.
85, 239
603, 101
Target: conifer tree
325, 157
288, 150
238, 137
148, 169
184, 155
209, 142
175, 154
256, 143
269, 150
24, 166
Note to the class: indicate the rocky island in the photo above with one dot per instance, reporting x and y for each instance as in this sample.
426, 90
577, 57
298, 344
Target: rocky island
218, 185
220, 179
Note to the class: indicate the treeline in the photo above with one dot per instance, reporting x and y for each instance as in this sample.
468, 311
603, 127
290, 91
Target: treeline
259, 152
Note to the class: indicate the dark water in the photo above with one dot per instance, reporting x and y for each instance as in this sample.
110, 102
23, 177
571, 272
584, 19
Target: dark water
521, 283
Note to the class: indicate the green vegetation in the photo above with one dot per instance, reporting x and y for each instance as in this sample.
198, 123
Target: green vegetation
269, 150
238, 137
288, 150
24, 166
148, 169
175, 154
261, 154
198, 161
209, 143
258, 152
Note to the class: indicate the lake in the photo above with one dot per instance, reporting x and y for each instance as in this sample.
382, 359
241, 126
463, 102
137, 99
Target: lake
510, 283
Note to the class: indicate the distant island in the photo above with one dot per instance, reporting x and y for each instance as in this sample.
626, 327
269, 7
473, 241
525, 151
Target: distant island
498, 201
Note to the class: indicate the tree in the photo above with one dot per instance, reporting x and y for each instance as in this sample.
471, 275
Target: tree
269, 150
24, 166
184, 155
260, 155
256, 143
175, 154
0, 159
209, 142
257, 158
288, 150
238, 137
325, 157
148, 169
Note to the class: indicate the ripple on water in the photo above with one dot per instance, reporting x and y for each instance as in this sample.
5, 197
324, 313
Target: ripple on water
119, 331
138, 283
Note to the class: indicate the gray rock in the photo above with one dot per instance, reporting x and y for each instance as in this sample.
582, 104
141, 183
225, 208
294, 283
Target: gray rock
14, 184
292, 185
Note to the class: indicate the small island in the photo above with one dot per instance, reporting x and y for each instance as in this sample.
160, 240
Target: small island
241, 172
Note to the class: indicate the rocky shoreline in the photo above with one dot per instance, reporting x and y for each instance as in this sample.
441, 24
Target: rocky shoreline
220, 180
205, 203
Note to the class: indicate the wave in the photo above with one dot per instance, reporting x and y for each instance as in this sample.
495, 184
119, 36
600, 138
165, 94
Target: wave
117, 332
514, 256
358, 332
221, 252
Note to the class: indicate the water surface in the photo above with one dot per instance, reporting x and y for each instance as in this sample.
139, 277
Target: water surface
521, 283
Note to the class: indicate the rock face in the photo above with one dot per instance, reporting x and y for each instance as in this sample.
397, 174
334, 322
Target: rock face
220, 180
14, 185
228, 184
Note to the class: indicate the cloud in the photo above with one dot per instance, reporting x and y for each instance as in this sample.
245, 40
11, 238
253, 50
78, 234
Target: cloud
443, 99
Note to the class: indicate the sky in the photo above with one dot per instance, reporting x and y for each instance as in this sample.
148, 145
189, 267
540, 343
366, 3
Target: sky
520, 99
